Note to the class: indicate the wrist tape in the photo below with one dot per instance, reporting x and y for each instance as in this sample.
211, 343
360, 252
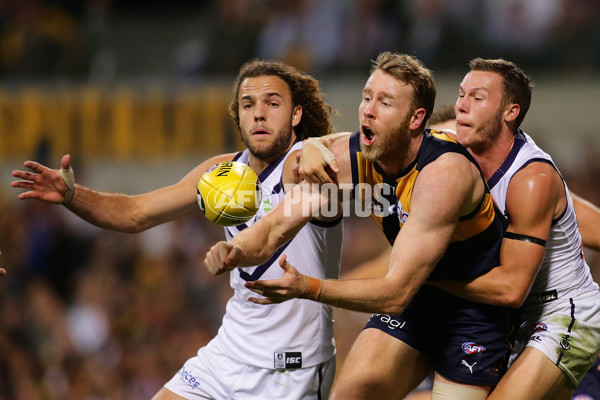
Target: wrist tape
325, 153
313, 292
69, 178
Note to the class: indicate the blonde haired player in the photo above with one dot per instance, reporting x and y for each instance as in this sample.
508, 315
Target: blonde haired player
542, 267
281, 352
443, 118
431, 201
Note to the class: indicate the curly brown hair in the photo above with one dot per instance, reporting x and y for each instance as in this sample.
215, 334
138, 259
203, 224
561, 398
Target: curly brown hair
305, 90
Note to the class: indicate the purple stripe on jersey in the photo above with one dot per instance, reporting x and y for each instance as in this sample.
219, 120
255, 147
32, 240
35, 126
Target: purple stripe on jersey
519, 142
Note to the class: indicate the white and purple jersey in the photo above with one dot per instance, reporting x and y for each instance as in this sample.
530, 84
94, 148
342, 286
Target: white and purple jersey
294, 334
563, 268
561, 315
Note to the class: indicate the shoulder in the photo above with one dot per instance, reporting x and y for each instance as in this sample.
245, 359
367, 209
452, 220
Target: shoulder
451, 165
537, 179
451, 181
534, 176
341, 145
445, 134
535, 197
195, 174
437, 143
536, 188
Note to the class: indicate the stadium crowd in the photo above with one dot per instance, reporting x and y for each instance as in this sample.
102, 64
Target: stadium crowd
93, 314
93, 39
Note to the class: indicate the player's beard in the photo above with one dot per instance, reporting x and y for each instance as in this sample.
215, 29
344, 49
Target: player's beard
485, 135
269, 151
393, 144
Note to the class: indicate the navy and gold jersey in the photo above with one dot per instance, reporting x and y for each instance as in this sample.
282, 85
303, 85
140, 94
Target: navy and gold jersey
475, 243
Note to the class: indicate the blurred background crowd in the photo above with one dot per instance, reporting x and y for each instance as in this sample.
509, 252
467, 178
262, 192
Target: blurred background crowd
98, 315
106, 39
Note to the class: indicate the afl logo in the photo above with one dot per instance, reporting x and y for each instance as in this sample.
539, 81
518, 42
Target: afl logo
540, 327
472, 348
212, 168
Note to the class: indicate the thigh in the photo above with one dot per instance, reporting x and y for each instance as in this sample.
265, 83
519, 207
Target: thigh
447, 389
532, 376
380, 366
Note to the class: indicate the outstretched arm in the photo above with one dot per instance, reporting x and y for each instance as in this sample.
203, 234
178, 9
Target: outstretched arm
416, 251
257, 243
588, 219
115, 211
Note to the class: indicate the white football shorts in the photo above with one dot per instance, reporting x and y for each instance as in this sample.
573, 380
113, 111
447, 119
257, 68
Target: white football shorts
566, 330
212, 375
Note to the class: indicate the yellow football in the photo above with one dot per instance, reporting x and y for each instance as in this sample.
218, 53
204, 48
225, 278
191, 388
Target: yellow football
229, 193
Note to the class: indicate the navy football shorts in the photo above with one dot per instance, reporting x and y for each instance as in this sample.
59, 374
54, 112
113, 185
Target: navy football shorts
464, 341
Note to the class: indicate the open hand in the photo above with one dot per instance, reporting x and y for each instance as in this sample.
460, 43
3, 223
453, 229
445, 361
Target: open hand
43, 183
292, 285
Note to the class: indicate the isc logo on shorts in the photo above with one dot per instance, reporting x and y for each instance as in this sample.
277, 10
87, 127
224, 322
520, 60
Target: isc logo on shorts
287, 360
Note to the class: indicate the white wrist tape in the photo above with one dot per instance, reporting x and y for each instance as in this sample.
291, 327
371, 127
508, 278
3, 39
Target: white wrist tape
69, 178
316, 142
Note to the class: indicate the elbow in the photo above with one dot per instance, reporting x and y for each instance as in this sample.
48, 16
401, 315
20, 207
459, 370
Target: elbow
396, 305
517, 302
132, 229
511, 300
133, 226
395, 309
137, 222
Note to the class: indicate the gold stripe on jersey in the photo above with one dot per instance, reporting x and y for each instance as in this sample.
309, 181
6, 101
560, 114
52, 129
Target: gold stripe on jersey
475, 228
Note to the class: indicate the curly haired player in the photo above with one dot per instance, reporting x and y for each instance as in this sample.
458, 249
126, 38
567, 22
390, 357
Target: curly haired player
281, 352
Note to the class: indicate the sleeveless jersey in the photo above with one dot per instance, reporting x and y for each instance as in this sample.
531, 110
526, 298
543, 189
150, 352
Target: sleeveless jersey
475, 243
563, 268
296, 333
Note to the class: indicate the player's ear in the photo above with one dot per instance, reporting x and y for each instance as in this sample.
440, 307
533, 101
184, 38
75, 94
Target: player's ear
511, 112
296, 115
417, 118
